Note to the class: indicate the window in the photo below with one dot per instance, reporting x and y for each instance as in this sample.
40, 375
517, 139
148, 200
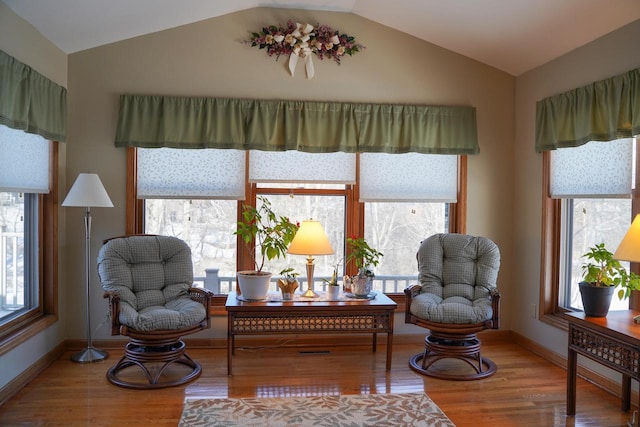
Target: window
591, 200
27, 233
300, 186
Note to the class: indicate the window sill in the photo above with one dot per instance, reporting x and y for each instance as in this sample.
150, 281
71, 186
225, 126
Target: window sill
15, 338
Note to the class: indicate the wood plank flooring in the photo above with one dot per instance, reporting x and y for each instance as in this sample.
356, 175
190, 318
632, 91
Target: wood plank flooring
526, 390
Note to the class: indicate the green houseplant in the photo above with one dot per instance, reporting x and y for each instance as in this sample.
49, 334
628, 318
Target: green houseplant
268, 235
365, 258
602, 274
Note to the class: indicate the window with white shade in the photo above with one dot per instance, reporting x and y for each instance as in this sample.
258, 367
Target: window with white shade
595, 184
25, 170
403, 198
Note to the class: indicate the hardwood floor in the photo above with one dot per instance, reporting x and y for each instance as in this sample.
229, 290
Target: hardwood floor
526, 390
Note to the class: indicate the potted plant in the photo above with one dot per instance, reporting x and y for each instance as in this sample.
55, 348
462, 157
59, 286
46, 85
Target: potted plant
288, 283
601, 275
365, 258
333, 288
268, 234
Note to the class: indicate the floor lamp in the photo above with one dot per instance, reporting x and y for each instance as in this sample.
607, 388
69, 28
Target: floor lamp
88, 192
310, 240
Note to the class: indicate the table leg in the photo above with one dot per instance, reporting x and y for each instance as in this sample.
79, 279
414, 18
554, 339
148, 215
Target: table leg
572, 361
626, 393
375, 342
230, 345
389, 348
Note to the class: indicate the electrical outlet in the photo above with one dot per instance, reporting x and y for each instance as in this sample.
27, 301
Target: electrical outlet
534, 311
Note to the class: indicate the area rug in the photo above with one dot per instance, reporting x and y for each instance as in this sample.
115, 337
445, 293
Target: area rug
407, 409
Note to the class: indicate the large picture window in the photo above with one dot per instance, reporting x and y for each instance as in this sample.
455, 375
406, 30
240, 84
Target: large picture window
302, 186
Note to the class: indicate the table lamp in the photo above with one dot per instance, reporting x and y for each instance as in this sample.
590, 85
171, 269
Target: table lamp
629, 247
310, 240
87, 192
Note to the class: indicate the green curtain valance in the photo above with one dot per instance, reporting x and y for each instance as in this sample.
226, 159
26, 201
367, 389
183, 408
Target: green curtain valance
602, 111
308, 126
31, 102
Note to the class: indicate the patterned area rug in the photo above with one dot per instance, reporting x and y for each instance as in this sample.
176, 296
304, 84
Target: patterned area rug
409, 409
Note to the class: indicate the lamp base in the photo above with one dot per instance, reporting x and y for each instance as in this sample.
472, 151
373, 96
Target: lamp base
88, 355
310, 294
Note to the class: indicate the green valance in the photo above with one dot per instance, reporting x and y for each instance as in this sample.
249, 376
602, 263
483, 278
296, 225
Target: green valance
308, 126
31, 102
602, 111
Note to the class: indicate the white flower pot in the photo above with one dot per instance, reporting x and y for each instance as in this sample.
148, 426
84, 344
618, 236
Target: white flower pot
361, 286
333, 293
253, 285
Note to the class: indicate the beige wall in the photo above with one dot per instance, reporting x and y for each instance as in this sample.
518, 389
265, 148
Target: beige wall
610, 55
207, 59
20, 40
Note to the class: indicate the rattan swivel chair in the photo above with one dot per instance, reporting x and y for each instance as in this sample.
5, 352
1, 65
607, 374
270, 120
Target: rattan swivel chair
148, 282
455, 299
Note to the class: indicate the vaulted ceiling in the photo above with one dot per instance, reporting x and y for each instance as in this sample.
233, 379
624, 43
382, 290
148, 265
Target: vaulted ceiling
512, 35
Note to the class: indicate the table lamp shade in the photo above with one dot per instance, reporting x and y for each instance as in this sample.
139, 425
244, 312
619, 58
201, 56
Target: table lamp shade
310, 240
88, 191
629, 248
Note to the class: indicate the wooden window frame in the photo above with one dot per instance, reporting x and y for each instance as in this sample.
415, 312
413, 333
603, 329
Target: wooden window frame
19, 330
550, 310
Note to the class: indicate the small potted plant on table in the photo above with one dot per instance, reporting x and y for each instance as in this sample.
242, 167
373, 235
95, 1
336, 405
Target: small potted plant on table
288, 283
333, 289
601, 275
365, 258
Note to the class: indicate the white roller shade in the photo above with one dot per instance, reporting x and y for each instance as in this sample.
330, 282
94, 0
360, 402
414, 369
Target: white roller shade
408, 177
297, 166
24, 161
596, 169
166, 173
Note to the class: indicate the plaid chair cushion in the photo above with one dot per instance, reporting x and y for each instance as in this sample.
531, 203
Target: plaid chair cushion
152, 275
457, 273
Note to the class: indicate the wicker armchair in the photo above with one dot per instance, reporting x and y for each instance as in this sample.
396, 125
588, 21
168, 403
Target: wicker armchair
148, 282
455, 299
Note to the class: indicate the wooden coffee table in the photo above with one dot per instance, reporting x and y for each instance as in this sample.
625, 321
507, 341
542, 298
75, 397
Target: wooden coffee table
309, 317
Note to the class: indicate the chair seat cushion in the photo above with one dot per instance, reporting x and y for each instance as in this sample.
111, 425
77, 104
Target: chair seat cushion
176, 314
454, 309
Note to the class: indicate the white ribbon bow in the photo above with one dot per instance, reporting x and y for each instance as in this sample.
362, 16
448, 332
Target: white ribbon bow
301, 35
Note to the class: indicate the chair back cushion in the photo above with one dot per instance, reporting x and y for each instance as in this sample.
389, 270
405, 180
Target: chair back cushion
152, 275
457, 273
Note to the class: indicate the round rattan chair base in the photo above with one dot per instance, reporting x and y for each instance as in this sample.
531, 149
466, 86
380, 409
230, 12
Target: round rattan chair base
443, 346
490, 368
154, 360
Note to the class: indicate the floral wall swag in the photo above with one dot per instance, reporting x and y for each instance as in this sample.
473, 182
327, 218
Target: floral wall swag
301, 40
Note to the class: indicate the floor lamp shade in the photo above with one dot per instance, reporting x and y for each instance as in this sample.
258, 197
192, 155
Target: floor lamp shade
310, 240
87, 192
629, 248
